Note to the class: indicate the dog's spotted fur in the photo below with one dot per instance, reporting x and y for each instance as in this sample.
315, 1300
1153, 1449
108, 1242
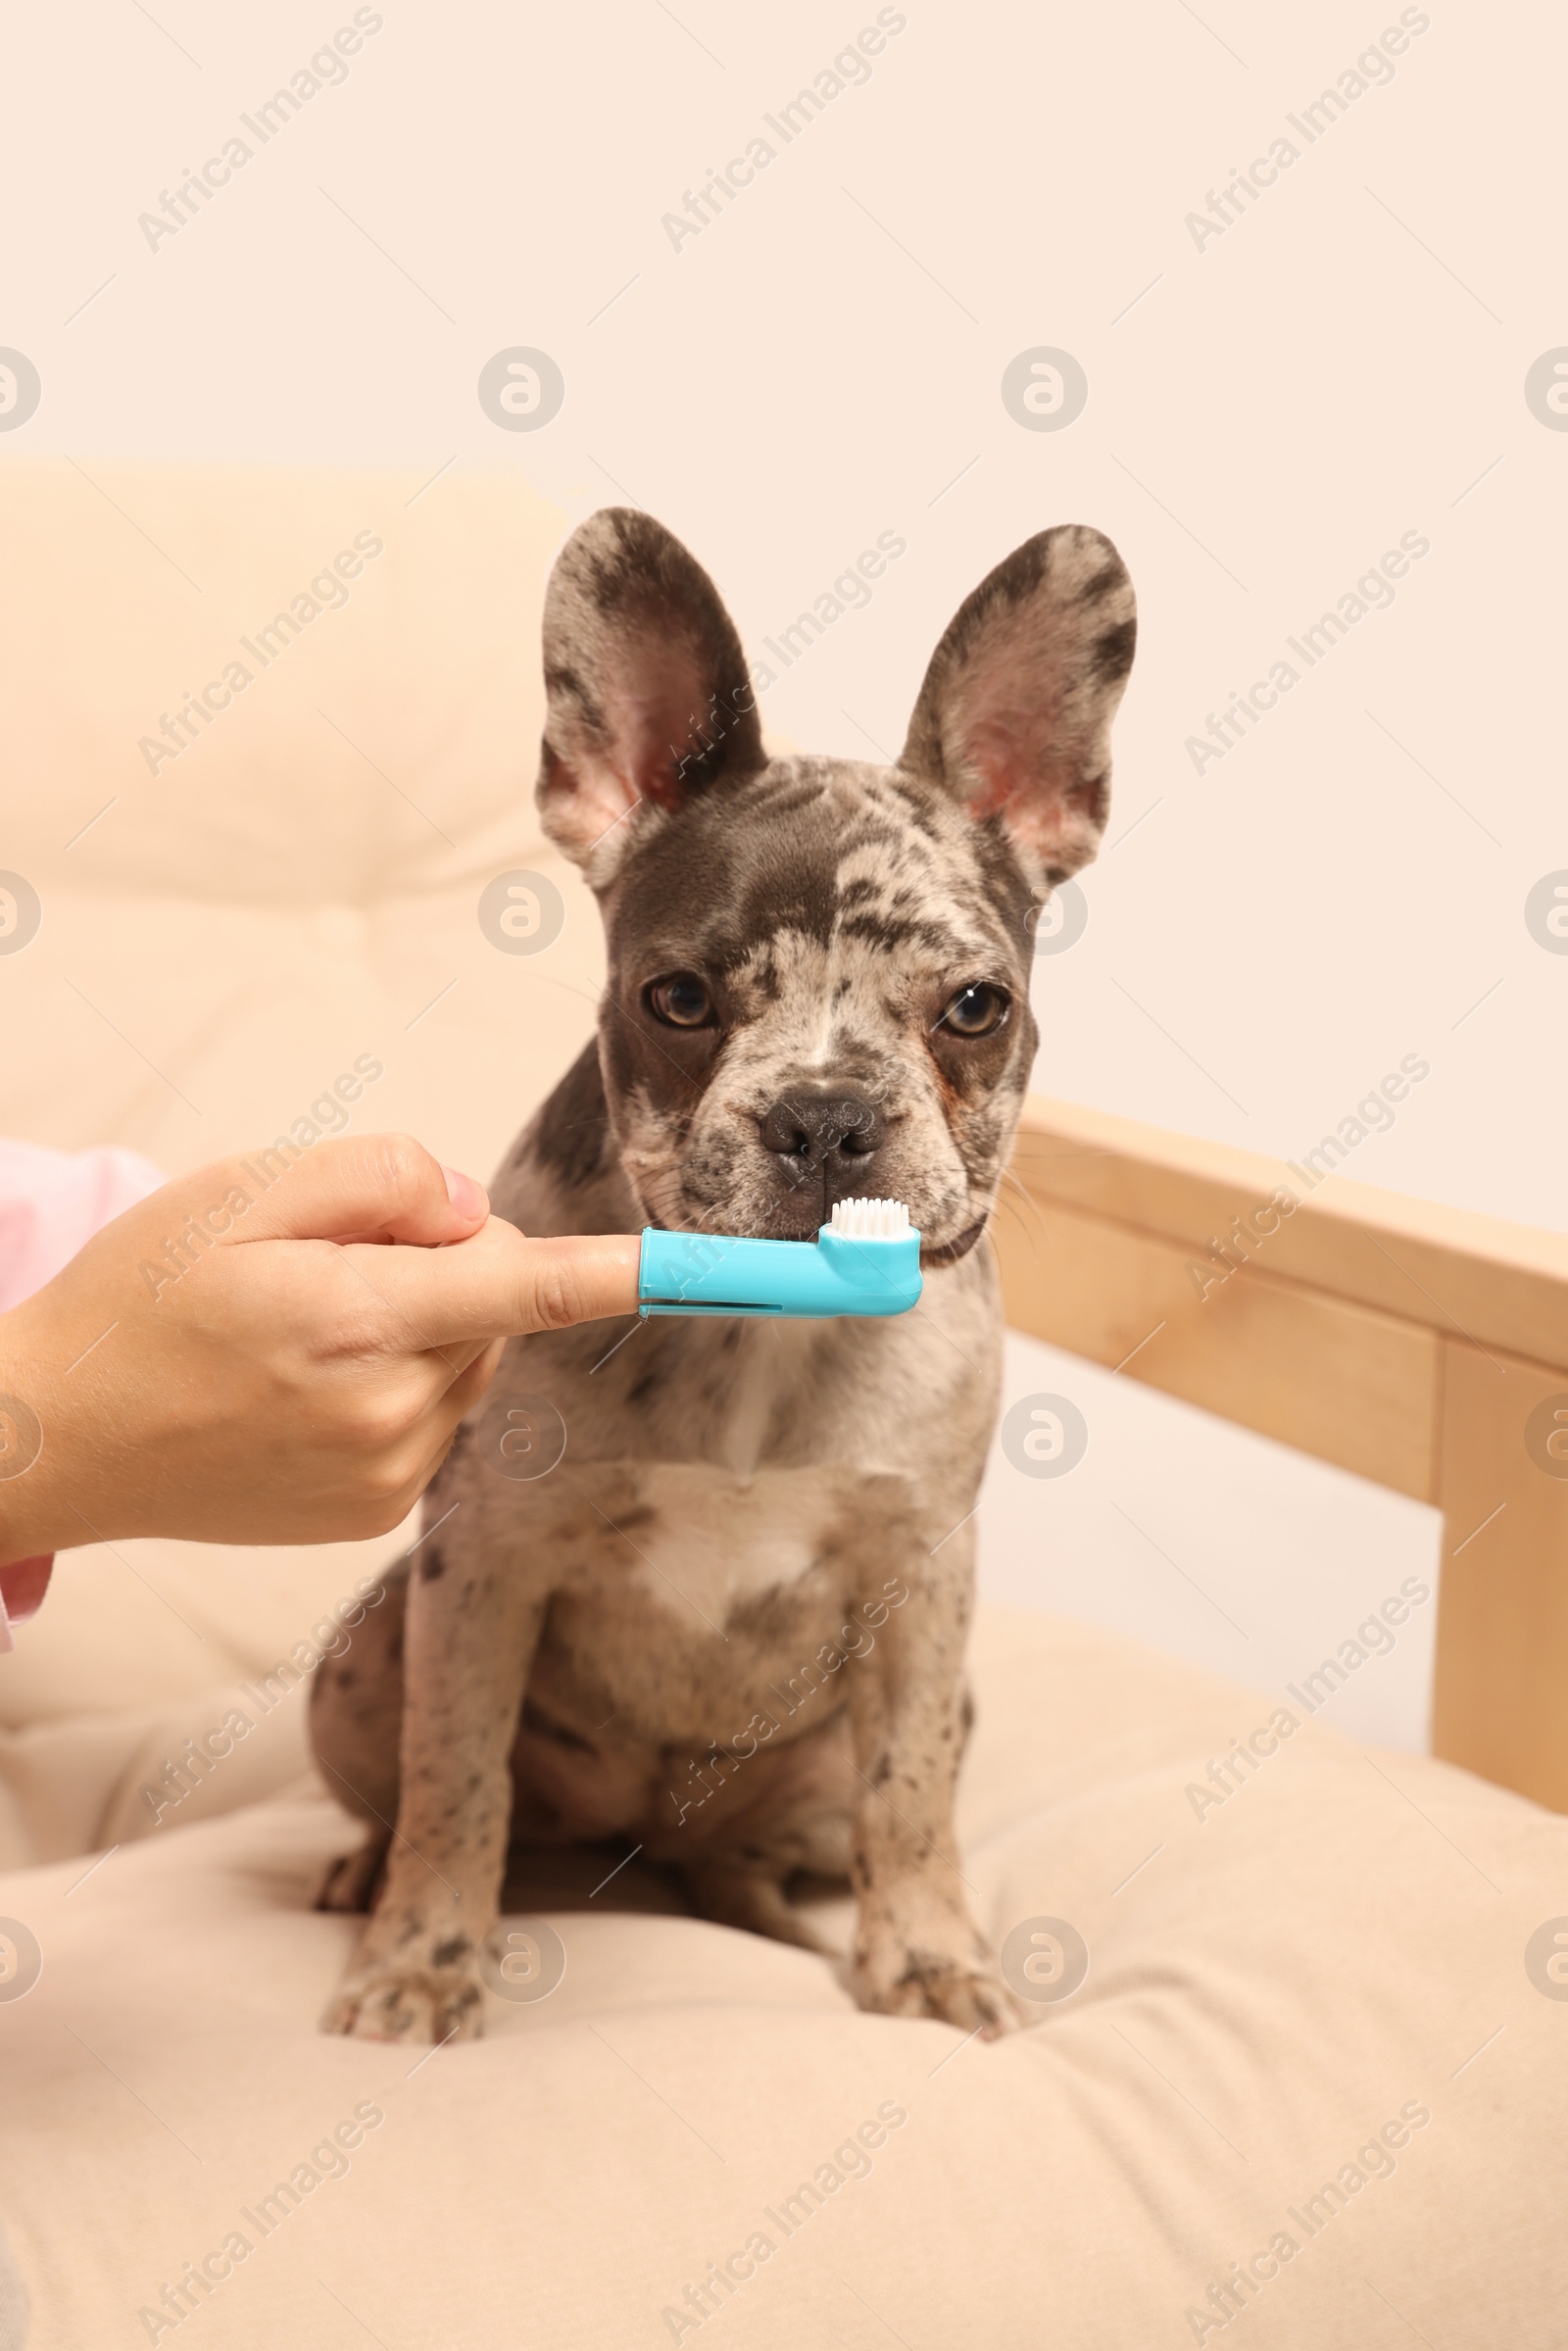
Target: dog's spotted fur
729, 1626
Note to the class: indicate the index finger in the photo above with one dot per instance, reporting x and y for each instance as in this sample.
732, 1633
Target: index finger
501, 1285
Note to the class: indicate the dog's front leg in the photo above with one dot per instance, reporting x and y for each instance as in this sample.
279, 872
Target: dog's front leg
470, 1636
918, 1951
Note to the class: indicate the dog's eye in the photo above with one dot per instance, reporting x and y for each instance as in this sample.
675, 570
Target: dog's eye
976, 1011
681, 1002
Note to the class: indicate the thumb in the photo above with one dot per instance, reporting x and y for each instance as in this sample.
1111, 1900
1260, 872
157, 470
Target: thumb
359, 1188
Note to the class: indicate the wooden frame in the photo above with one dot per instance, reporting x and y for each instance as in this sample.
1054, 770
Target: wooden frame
1422, 1346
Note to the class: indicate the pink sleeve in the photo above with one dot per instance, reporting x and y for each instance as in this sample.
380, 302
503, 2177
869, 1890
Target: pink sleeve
51, 1202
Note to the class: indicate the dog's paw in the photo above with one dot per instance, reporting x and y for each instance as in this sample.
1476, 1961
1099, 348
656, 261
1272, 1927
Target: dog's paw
959, 1988
417, 2004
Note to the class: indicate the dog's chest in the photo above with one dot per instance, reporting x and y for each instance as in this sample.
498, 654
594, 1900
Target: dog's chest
686, 1556
678, 1591
722, 1505
721, 1466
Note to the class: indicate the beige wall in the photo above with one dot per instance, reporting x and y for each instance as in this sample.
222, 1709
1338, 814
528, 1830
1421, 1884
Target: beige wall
1340, 366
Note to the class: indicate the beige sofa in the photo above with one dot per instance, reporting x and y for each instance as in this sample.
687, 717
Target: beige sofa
1311, 2092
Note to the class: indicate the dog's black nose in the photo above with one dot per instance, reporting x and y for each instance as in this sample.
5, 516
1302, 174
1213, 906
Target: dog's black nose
823, 1126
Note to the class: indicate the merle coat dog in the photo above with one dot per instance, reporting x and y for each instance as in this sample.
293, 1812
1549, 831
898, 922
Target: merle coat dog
728, 1624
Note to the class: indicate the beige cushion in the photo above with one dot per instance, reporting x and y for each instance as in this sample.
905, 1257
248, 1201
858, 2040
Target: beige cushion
1336, 1945
151, 1622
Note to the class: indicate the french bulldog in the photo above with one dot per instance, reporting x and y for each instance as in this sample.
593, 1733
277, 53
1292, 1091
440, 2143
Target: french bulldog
725, 1625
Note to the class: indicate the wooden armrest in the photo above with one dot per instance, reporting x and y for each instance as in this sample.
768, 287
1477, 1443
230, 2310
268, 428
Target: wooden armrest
1423, 1346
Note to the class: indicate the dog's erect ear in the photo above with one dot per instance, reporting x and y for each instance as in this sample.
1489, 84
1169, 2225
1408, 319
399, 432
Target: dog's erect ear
647, 693
1014, 714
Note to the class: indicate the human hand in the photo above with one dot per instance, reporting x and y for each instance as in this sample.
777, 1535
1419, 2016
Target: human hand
301, 1380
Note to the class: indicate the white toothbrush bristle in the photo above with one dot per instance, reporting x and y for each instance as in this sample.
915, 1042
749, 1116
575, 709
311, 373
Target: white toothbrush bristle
870, 1219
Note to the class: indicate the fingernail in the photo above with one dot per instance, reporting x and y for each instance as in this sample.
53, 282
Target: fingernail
466, 1196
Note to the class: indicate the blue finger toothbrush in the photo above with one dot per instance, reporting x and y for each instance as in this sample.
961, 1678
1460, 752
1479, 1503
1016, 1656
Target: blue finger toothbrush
866, 1260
